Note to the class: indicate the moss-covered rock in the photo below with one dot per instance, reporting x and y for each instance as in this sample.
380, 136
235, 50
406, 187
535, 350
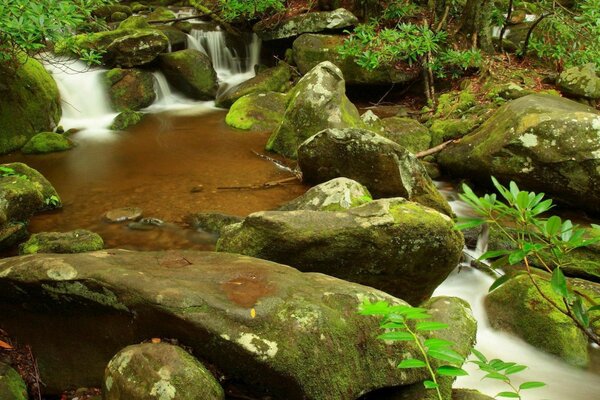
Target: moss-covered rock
138, 48
130, 89
177, 38
311, 49
77, 241
335, 195
12, 234
469, 394
394, 245
30, 103
125, 120
317, 102
47, 142
447, 129
276, 79
191, 72
312, 22
135, 22
118, 16
581, 81
407, 132
257, 111
212, 222
518, 308
108, 10
12, 386
384, 167
156, 371
161, 14
544, 143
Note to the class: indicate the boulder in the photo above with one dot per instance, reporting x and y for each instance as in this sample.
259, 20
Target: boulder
125, 120
255, 321
469, 394
310, 50
135, 22
305, 23
118, 16
384, 167
317, 102
12, 386
544, 143
30, 103
518, 308
77, 241
47, 142
12, 233
212, 222
138, 48
407, 132
394, 245
158, 371
335, 195
257, 112
276, 79
177, 38
108, 10
161, 14
191, 72
583, 81
130, 89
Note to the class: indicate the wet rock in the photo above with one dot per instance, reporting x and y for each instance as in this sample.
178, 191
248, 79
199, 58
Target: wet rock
212, 222
135, 22
255, 321
30, 103
406, 132
118, 16
257, 112
138, 48
130, 89
394, 245
443, 130
126, 119
312, 22
47, 142
317, 102
310, 50
146, 224
158, 371
12, 386
384, 167
161, 14
123, 214
177, 38
518, 308
335, 195
12, 234
77, 241
544, 143
276, 79
583, 81
106, 11
191, 72
469, 394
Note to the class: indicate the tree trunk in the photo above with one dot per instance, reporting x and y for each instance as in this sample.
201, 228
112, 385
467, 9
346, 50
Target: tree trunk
477, 22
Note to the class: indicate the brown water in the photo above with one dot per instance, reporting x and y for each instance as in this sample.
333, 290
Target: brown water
155, 166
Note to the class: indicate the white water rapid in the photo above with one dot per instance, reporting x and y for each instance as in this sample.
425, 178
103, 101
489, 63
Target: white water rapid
564, 382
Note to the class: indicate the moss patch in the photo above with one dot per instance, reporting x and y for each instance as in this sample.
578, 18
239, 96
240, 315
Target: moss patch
47, 142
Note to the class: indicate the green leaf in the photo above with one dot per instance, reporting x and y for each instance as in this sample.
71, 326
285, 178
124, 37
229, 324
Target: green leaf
499, 282
398, 335
559, 283
552, 226
469, 223
496, 375
517, 256
393, 325
448, 370
594, 308
511, 395
566, 230
580, 312
479, 355
514, 369
493, 254
531, 385
430, 326
446, 354
435, 343
411, 363
430, 384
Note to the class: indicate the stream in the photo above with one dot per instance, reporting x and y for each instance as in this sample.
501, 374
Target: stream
182, 158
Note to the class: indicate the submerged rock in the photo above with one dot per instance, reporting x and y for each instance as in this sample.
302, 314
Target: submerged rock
212, 222
77, 241
158, 371
335, 195
47, 142
191, 72
257, 111
317, 102
123, 214
130, 89
30, 103
583, 81
125, 120
394, 245
305, 23
256, 321
12, 386
544, 143
384, 167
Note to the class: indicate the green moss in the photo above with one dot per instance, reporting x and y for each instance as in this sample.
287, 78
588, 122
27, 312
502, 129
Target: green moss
258, 111
12, 386
125, 120
47, 142
161, 14
78, 241
135, 22
447, 129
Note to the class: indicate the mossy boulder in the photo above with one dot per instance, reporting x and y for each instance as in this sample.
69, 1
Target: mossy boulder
276, 79
130, 89
312, 22
125, 120
257, 111
518, 308
394, 245
118, 16
335, 195
135, 22
156, 371
212, 222
108, 10
47, 142
443, 130
30, 103
317, 102
12, 233
161, 14
77, 241
311, 49
384, 167
583, 81
253, 320
12, 386
135, 49
191, 72
177, 38
407, 132
544, 143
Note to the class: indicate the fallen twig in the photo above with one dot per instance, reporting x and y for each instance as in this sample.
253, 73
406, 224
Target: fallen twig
436, 149
279, 164
266, 185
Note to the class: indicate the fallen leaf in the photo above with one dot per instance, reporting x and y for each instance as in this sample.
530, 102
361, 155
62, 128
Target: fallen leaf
5, 345
156, 340
253, 313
